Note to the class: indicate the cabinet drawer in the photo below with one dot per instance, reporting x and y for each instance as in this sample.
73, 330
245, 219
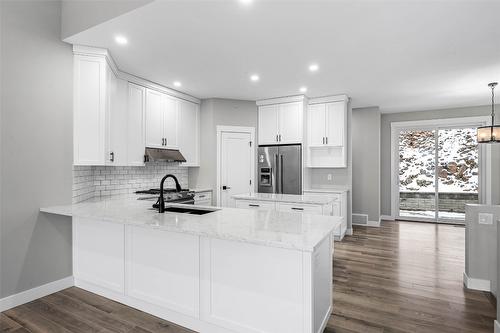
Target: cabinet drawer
261, 205
300, 208
203, 196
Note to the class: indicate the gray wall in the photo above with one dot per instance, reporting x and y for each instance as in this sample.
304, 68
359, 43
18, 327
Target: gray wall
385, 142
36, 146
366, 162
215, 112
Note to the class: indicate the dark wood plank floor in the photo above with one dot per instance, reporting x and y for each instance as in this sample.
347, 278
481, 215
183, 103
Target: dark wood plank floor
401, 277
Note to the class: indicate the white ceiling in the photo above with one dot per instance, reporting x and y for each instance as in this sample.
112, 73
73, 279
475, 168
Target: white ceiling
400, 55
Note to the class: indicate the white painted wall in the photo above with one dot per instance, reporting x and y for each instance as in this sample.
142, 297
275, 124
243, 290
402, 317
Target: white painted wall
36, 145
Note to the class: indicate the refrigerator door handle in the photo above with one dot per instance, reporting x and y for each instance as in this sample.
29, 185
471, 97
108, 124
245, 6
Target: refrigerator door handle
277, 174
281, 173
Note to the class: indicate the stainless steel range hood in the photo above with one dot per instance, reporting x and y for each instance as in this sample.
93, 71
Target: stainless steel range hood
167, 155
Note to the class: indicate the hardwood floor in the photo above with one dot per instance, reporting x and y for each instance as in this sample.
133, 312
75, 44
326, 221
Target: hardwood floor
406, 277
401, 277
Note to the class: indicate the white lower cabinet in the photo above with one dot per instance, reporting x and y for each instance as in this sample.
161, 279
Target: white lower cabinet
339, 206
159, 260
300, 208
260, 205
206, 284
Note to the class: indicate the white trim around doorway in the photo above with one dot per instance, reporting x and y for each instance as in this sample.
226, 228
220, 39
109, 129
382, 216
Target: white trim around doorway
232, 129
485, 154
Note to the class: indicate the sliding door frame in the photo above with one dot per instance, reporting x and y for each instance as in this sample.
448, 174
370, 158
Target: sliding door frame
437, 124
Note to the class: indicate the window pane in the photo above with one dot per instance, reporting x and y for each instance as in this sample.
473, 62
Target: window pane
416, 174
458, 171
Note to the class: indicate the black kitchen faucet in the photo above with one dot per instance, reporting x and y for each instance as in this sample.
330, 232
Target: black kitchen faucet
161, 199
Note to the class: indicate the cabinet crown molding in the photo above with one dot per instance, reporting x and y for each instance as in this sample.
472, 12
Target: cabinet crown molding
281, 100
99, 52
329, 99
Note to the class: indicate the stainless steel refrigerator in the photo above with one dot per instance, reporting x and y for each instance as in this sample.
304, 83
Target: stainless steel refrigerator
280, 169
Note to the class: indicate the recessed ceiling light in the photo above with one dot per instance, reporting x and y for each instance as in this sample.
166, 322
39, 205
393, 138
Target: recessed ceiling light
254, 77
313, 67
121, 40
177, 84
246, 2
303, 89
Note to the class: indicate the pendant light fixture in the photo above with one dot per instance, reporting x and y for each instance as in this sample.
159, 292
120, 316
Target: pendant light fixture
489, 134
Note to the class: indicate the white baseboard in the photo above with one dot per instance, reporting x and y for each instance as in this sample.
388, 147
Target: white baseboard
497, 326
373, 223
349, 231
27, 296
387, 217
477, 284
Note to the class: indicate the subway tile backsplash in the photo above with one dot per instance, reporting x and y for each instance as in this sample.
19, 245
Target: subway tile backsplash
96, 181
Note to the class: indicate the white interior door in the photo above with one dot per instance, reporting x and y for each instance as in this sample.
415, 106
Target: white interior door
236, 165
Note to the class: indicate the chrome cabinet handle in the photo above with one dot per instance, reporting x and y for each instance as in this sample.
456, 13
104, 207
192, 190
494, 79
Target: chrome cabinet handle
253, 205
297, 208
162, 141
326, 140
276, 137
323, 140
280, 137
111, 156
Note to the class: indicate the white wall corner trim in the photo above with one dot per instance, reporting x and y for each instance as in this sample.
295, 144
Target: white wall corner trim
387, 218
497, 326
27, 296
476, 284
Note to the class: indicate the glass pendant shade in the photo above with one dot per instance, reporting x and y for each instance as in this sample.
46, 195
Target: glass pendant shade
488, 134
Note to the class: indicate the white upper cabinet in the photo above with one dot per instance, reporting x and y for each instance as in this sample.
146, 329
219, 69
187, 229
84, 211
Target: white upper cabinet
89, 110
335, 123
189, 132
154, 119
136, 124
117, 115
326, 132
170, 114
100, 118
281, 121
290, 123
316, 124
117, 122
268, 124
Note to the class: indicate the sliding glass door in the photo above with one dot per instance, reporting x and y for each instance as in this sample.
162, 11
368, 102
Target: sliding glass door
438, 173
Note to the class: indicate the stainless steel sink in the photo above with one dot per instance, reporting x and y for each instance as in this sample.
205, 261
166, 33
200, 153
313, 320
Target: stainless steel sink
185, 210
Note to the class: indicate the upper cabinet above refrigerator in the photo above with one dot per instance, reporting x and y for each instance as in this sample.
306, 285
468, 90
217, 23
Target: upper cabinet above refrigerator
281, 120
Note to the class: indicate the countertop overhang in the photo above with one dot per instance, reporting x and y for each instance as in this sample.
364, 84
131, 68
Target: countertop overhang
312, 199
270, 228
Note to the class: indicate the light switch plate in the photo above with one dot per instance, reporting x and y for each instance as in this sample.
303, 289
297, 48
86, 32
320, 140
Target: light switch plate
485, 218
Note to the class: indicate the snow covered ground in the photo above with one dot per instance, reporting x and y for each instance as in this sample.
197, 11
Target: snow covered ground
457, 167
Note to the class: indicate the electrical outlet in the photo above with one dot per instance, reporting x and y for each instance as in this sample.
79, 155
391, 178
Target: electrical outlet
485, 218
329, 177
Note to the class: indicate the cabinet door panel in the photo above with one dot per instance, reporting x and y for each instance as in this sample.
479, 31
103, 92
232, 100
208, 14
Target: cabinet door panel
316, 126
268, 124
118, 119
136, 104
188, 133
170, 122
89, 110
335, 119
290, 123
154, 119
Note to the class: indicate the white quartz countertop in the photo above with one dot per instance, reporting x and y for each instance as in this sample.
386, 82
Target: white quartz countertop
291, 198
270, 228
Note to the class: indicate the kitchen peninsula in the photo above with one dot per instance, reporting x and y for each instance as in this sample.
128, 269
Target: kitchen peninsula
228, 270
